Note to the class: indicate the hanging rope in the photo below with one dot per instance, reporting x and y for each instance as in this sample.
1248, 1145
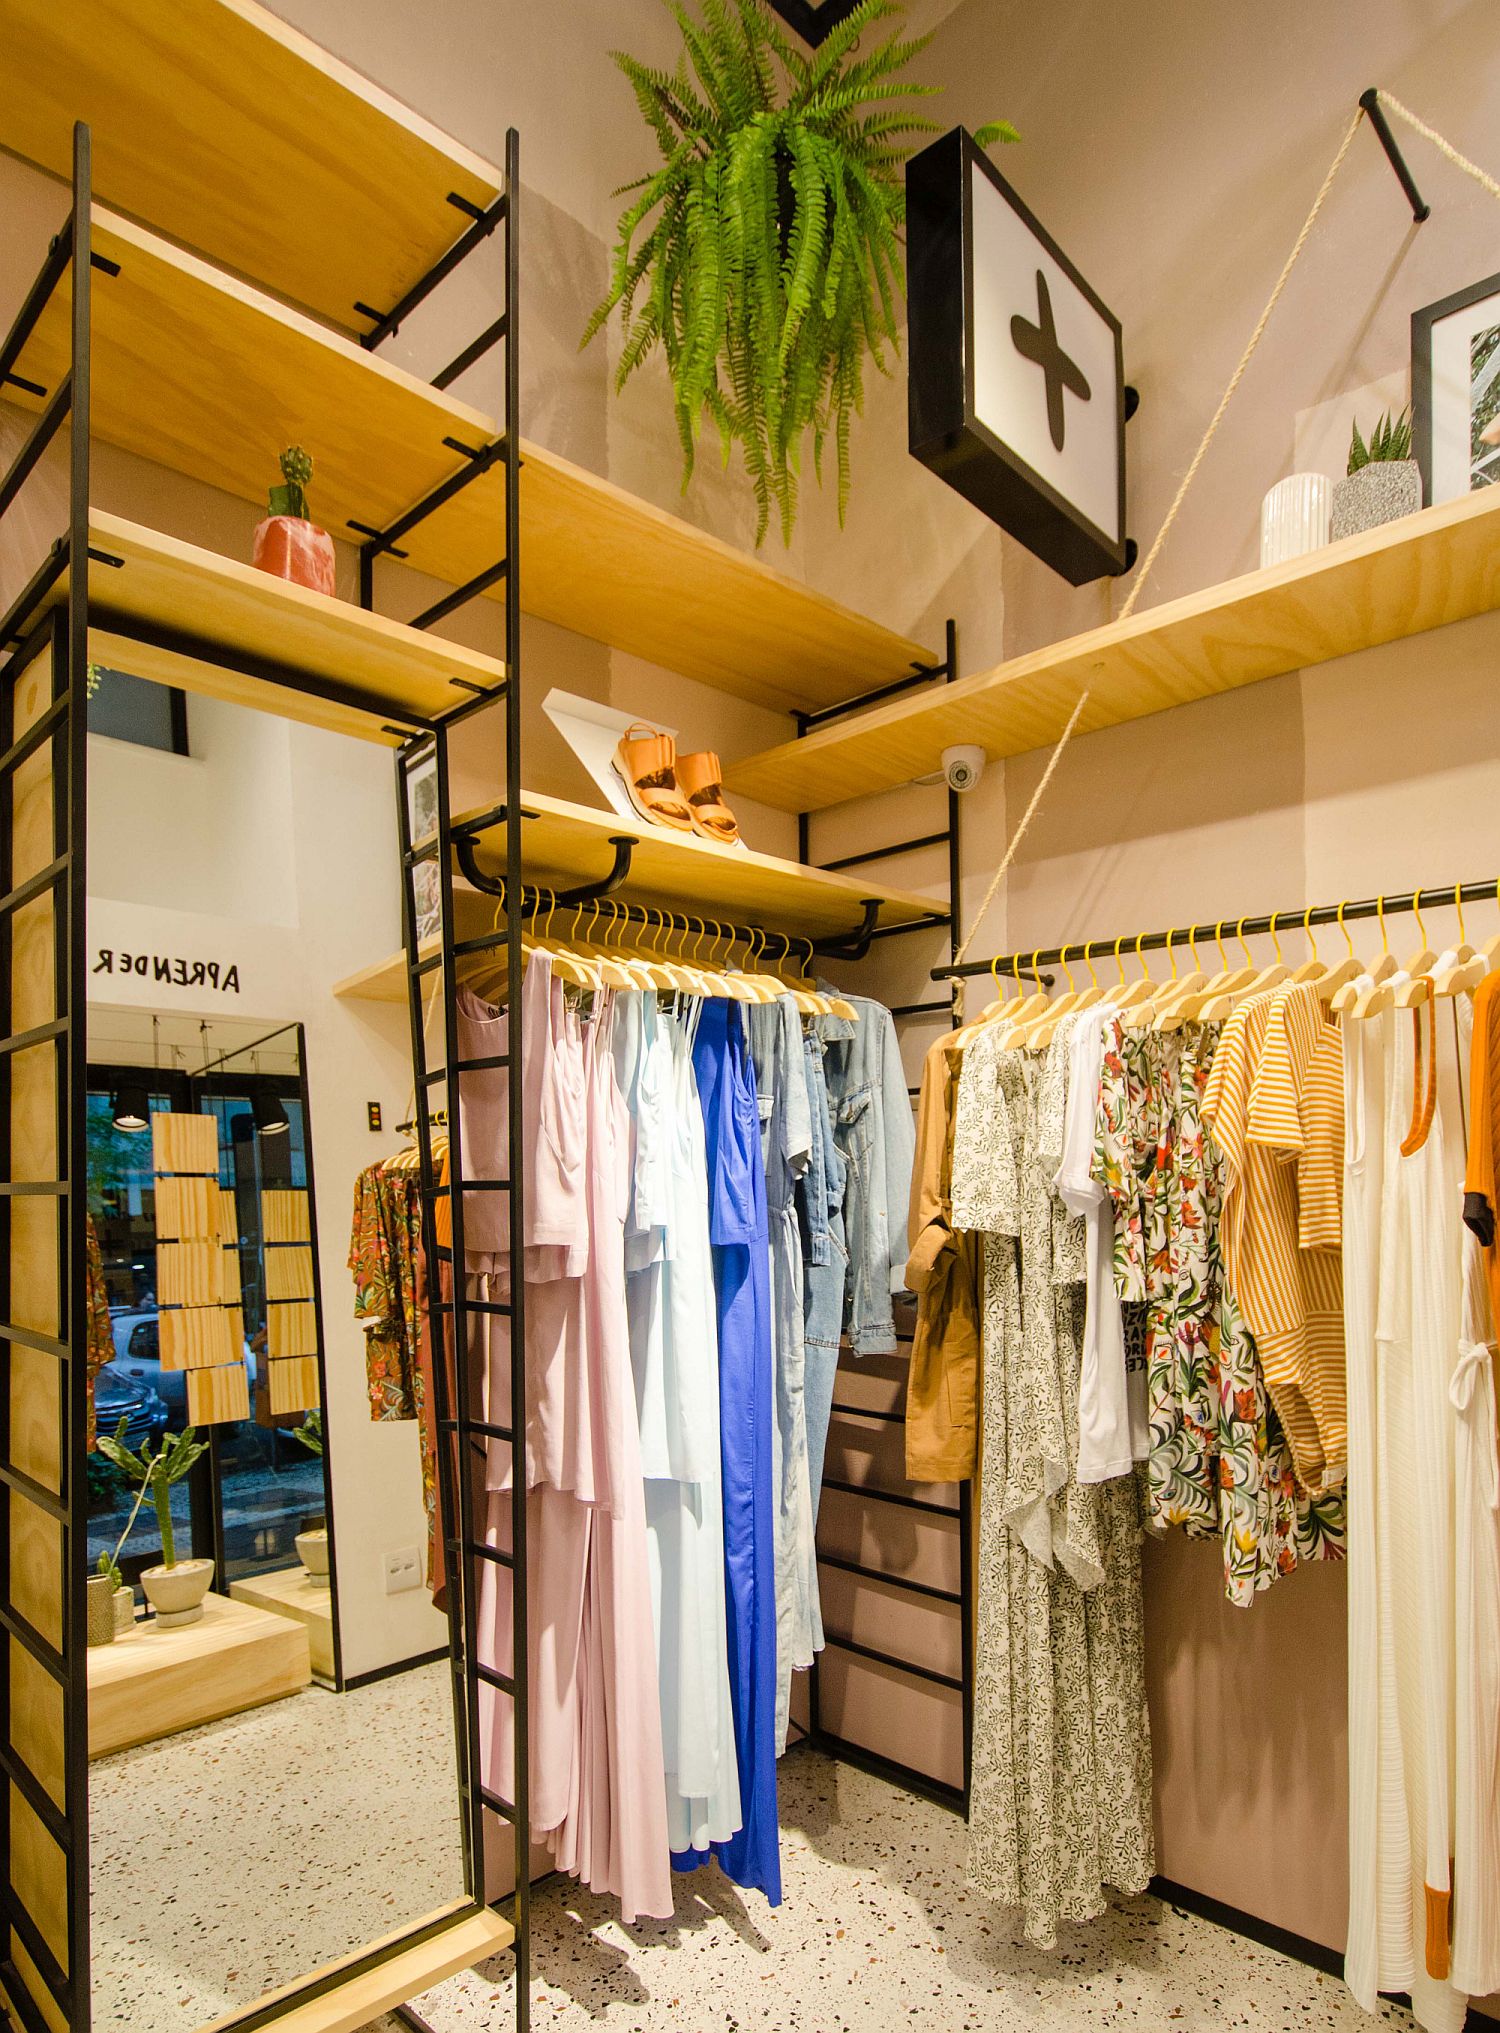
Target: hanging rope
1443, 147
1137, 586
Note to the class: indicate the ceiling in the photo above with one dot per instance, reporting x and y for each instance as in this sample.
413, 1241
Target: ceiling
182, 1042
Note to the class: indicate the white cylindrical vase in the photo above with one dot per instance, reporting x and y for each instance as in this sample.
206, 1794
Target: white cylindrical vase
1294, 517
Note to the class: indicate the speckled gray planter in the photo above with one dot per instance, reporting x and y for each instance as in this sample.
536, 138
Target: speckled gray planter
1377, 493
101, 1610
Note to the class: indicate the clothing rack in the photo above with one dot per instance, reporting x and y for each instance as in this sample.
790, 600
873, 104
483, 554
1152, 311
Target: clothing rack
1021, 965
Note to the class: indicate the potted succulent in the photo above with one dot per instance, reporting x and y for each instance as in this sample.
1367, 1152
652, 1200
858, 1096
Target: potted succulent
288, 542
1384, 481
102, 1622
312, 1545
176, 1588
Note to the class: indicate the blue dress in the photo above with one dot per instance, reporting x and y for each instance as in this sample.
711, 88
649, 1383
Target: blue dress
742, 1288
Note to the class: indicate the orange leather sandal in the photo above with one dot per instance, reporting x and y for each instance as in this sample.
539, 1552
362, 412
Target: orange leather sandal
645, 762
698, 777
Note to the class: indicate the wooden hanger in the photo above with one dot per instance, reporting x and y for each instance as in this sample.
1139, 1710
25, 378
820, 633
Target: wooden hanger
1351, 1000
1192, 1008
1349, 969
838, 1005
1026, 1008
1039, 1030
1424, 956
1140, 1015
1312, 969
1277, 972
1075, 1001
1213, 1008
1173, 1014
1130, 993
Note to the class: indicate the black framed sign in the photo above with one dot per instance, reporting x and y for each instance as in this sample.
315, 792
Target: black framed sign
1016, 379
814, 20
1455, 391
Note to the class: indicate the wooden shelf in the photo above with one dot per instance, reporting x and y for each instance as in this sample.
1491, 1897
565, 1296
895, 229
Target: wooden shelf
236, 608
201, 372
151, 1682
232, 132
348, 1995
566, 844
1422, 572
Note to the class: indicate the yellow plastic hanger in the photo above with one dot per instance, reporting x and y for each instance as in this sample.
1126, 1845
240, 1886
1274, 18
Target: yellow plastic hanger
1312, 969
1040, 1030
1354, 1002
1463, 951
1023, 1011
1277, 972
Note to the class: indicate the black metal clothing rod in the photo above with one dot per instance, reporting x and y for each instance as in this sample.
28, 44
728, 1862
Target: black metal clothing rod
1183, 937
1370, 100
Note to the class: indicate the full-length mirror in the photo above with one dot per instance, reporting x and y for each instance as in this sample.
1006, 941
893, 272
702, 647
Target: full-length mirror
271, 1734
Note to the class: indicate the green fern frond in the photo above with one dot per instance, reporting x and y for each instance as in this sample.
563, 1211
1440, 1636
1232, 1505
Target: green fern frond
763, 257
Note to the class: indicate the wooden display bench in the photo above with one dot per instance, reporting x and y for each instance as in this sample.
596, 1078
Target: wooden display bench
291, 1592
151, 1683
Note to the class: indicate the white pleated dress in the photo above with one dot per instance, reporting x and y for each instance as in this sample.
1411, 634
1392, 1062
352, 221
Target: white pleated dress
1424, 1650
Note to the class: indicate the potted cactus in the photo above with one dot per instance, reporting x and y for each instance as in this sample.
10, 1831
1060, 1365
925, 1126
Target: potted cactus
1383, 481
176, 1588
288, 542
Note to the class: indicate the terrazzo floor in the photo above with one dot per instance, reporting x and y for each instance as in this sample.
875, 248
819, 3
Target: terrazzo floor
878, 1931
234, 1857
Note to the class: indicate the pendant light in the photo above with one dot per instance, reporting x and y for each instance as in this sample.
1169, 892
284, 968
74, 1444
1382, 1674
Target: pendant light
270, 1116
131, 1107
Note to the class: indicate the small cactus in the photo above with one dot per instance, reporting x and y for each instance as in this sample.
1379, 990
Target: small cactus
290, 498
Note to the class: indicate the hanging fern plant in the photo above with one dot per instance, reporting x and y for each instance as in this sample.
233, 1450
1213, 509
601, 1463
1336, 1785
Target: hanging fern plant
764, 256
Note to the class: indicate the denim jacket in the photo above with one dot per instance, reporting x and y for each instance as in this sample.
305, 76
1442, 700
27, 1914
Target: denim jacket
820, 1190
872, 1126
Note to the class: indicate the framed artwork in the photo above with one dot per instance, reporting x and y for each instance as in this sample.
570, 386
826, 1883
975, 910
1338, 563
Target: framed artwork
422, 816
1455, 391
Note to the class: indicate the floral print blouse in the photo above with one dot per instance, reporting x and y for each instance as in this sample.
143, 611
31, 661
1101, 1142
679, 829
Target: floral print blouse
384, 1245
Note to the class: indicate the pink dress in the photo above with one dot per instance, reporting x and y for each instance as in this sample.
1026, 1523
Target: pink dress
597, 1785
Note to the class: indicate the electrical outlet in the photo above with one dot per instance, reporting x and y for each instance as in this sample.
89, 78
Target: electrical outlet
403, 1569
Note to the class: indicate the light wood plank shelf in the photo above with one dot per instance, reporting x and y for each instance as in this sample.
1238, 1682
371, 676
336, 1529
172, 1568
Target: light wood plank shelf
170, 584
232, 132
343, 2003
566, 844
205, 374
1440, 565
152, 1682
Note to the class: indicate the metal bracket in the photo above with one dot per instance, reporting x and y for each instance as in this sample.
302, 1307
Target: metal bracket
1370, 100
624, 845
856, 944
493, 885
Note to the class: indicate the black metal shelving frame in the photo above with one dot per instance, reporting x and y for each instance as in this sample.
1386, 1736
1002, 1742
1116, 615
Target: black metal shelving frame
44, 1895
932, 1012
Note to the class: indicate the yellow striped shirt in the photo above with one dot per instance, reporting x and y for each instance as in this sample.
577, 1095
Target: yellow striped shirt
1275, 1108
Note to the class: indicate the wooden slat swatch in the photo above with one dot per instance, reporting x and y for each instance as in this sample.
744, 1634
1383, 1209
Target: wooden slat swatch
294, 1384
185, 1143
285, 1216
197, 1337
187, 1210
289, 1273
192, 1273
229, 1216
217, 1396
233, 1291
292, 1329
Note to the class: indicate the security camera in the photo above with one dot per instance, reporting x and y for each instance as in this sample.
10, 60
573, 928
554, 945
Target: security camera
963, 765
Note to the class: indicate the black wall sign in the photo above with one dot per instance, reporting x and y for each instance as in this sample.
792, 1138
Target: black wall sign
1016, 383
814, 20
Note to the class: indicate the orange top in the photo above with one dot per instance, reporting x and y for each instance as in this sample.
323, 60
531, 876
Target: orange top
1275, 1108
